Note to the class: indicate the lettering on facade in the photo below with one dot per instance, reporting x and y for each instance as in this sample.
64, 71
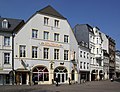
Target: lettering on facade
51, 44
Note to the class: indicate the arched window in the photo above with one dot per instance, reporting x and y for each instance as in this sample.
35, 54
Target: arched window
40, 73
4, 23
61, 73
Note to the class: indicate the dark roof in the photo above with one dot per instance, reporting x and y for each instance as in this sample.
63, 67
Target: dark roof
51, 12
117, 52
110, 39
13, 24
89, 28
81, 33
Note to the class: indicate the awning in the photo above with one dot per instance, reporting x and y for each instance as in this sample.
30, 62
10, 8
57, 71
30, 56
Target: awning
22, 70
4, 72
94, 73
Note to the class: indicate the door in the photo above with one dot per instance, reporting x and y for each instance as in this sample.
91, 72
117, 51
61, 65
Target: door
1, 80
61, 77
23, 78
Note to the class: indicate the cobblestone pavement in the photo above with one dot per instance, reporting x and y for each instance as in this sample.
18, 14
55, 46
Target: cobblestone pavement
94, 86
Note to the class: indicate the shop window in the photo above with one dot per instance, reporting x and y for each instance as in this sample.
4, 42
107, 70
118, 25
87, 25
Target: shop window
7, 79
41, 73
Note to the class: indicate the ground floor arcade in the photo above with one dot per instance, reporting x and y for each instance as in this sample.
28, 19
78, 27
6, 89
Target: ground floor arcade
41, 74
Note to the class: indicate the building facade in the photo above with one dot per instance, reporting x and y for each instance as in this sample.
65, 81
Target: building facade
98, 53
117, 64
112, 48
82, 35
8, 27
105, 56
46, 49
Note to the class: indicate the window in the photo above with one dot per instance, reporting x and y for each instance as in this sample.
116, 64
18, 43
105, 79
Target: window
4, 23
56, 23
84, 54
34, 33
46, 35
93, 50
66, 38
97, 50
84, 64
6, 58
56, 53
22, 51
97, 40
86, 44
65, 54
46, 20
34, 52
87, 65
81, 65
93, 60
46, 53
56, 37
80, 53
40, 73
87, 55
7, 41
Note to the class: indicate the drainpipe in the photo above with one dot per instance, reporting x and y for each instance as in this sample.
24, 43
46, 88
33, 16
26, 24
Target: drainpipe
13, 79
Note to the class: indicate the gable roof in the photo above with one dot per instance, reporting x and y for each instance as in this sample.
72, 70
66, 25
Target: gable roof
51, 12
13, 24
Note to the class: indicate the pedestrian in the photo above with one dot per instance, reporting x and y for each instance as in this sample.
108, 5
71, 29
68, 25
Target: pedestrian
56, 81
33, 80
69, 81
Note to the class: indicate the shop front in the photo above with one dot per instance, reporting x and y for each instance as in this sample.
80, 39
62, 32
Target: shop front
22, 77
84, 76
40, 75
62, 74
5, 78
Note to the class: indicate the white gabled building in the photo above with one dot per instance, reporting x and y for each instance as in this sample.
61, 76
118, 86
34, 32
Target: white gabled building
8, 27
82, 35
98, 53
45, 48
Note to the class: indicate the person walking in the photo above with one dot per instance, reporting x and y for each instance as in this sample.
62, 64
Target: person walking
56, 81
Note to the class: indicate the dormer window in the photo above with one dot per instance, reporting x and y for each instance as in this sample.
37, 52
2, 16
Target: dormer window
4, 23
82, 43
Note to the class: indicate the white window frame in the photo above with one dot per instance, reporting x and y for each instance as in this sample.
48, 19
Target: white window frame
66, 54
46, 53
56, 54
22, 50
56, 23
56, 37
46, 20
81, 65
34, 33
6, 58
46, 35
6, 41
34, 52
5, 23
66, 38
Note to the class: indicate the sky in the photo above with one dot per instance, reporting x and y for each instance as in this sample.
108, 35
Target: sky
105, 14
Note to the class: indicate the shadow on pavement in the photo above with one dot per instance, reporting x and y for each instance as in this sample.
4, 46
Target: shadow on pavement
117, 80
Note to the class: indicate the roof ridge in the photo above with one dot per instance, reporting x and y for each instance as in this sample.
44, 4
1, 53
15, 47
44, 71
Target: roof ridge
49, 10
